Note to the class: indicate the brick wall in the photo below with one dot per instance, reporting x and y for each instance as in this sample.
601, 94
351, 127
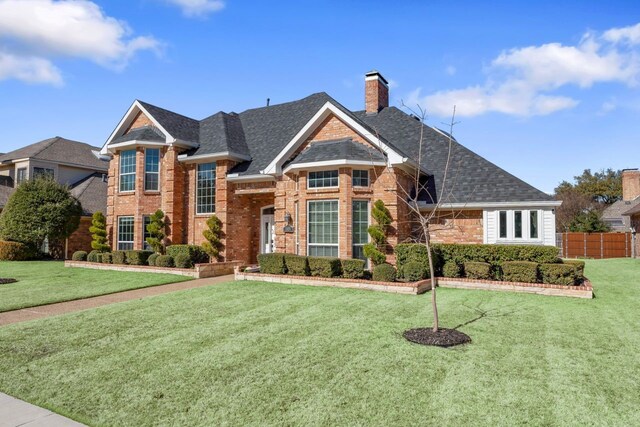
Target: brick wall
80, 240
458, 227
630, 184
635, 223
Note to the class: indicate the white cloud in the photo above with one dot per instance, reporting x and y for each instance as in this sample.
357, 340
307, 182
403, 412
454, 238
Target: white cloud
46, 29
450, 70
522, 81
607, 107
28, 69
198, 8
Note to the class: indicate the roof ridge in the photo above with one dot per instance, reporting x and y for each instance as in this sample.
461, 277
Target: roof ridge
45, 146
286, 103
144, 103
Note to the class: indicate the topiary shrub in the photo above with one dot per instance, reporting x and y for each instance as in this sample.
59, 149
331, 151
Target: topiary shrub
384, 273
14, 251
119, 257
156, 230
414, 271
579, 267
272, 264
138, 257
98, 231
478, 270
79, 256
376, 250
213, 235
93, 256
182, 261
152, 259
164, 261
352, 268
297, 265
107, 258
196, 254
558, 274
324, 267
520, 271
452, 269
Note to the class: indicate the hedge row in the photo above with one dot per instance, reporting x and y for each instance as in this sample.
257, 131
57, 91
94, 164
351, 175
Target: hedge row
562, 273
298, 265
180, 256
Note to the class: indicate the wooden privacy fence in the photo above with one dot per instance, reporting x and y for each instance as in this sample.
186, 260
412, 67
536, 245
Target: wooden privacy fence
595, 245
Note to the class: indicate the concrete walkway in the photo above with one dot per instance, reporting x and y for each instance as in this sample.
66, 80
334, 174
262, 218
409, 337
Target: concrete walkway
15, 412
55, 309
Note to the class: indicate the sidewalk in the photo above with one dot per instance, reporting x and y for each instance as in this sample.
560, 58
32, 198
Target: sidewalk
55, 309
15, 412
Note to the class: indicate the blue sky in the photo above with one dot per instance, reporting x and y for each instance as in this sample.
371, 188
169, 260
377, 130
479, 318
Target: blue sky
542, 89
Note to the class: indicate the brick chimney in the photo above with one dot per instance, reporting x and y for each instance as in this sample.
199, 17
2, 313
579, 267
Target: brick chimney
630, 184
376, 92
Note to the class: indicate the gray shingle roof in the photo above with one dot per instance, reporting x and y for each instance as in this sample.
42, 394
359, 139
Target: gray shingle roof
91, 191
179, 126
471, 178
59, 150
145, 133
344, 149
222, 132
634, 210
5, 193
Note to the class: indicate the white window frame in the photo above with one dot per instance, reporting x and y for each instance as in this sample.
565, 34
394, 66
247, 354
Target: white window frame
133, 233
337, 171
197, 186
121, 174
368, 202
526, 226
24, 177
156, 190
309, 244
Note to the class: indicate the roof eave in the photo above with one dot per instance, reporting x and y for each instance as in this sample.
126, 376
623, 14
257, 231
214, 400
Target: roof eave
221, 155
491, 205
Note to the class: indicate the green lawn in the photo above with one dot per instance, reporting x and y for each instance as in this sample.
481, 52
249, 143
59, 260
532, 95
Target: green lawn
44, 282
267, 354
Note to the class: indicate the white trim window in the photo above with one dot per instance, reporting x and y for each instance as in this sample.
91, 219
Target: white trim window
360, 228
152, 169
323, 179
206, 188
322, 228
519, 225
125, 233
360, 178
127, 171
43, 173
21, 175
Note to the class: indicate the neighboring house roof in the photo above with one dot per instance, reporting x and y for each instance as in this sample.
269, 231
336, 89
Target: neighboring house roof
632, 211
145, 133
614, 215
5, 193
344, 149
92, 193
59, 150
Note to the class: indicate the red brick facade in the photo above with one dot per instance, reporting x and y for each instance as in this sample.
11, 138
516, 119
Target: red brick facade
239, 205
80, 240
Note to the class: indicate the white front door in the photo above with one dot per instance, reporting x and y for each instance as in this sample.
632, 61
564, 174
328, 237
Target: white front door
267, 229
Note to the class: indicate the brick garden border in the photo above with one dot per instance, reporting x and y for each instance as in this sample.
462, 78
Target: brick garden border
582, 291
200, 271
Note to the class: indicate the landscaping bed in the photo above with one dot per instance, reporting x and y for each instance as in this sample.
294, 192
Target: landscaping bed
199, 271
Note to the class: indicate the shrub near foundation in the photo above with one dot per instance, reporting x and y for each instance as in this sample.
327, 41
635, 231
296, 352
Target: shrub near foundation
579, 267
297, 265
119, 257
324, 267
384, 273
478, 270
452, 269
107, 258
138, 257
520, 271
93, 256
408, 252
272, 263
152, 259
194, 252
164, 261
352, 268
79, 256
414, 271
558, 274
182, 261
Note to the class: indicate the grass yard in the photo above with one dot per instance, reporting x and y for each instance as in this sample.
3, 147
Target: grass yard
269, 354
45, 282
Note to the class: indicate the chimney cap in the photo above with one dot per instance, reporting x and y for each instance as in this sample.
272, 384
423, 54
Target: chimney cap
375, 74
630, 170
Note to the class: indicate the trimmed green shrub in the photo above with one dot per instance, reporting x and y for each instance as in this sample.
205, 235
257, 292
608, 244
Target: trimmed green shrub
414, 271
297, 265
272, 264
93, 256
152, 259
98, 229
107, 258
478, 270
495, 254
138, 257
324, 267
119, 257
352, 268
79, 256
579, 266
407, 252
558, 274
451, 269
156, 230
15, 251
99, 257
164, 261
376, 249
520, 271
384, 273
213, 234
196, 254
183, 261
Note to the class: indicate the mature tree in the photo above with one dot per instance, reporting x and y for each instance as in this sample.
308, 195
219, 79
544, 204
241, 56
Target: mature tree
40, 209
98, 231
213, 234
156, 229
588, 221
376, 250
603, 187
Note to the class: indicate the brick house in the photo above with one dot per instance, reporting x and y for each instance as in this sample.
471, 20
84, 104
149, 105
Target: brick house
300, 177
73, 163
631, 201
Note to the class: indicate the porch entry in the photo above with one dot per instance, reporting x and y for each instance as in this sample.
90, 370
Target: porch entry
267, 230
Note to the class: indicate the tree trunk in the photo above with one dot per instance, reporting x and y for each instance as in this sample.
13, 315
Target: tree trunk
434, 305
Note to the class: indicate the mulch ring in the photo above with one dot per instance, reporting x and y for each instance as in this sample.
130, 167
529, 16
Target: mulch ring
442, 338
5, 281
